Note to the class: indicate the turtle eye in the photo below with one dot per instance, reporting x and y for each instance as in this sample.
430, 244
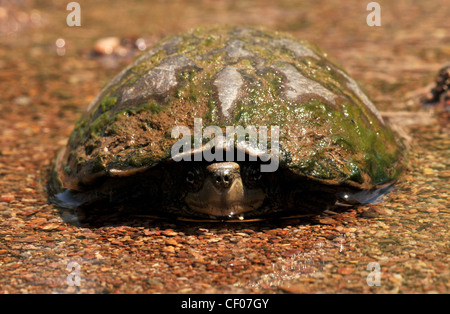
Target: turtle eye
252, 176
194, 178
190, 177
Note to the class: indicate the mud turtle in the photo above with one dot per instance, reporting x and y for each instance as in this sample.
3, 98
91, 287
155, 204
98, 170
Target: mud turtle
333, 146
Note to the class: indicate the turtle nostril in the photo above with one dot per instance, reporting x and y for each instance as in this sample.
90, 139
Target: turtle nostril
223, 175
223, 181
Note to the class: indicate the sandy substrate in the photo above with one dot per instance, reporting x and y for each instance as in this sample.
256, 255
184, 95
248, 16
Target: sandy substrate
44, 90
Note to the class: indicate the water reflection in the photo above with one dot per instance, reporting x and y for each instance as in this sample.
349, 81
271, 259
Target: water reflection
314, 263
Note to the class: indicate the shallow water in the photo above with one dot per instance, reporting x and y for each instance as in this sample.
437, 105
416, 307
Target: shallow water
48, 82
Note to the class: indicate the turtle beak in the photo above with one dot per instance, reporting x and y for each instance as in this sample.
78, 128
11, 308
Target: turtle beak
223, 192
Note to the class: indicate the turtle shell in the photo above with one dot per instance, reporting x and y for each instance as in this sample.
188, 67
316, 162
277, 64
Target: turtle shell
329, 129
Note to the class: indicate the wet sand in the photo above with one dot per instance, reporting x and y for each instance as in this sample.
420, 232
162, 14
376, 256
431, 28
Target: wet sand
45, 88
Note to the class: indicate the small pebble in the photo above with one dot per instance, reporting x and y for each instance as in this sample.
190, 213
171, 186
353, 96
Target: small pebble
22, 100
107, 45
6, 198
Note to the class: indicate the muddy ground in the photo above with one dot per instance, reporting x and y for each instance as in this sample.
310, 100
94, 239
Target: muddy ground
49, 74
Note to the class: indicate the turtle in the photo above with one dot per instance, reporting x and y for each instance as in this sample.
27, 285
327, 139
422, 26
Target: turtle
328, 148
439, 96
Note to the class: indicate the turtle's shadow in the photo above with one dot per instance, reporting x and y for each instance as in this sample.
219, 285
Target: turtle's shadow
79, 218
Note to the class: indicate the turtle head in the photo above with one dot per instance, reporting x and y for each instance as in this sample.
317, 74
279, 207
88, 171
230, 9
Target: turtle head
224, 189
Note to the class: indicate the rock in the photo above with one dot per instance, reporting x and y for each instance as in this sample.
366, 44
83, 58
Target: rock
7, 198
106, 45
171, 242
22, 100
346, 271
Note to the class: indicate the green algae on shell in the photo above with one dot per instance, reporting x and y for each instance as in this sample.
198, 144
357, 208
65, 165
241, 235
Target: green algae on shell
330, 131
